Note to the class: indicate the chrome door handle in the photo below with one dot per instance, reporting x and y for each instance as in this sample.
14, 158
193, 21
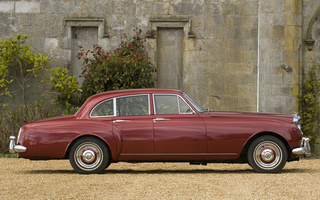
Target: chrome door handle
160, 119
120, 120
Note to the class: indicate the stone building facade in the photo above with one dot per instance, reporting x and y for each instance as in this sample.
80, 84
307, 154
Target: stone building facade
228, 54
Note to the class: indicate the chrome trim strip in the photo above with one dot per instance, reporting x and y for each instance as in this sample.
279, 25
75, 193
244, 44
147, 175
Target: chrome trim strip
183, 154
160, 119
120, 121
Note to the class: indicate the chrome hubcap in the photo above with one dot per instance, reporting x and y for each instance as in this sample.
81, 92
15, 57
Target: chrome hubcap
88, 156
267, 155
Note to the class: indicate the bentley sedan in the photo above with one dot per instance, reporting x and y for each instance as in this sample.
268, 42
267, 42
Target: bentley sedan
160, 125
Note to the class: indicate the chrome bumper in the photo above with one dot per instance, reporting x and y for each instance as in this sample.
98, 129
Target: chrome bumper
14, 148
304, 148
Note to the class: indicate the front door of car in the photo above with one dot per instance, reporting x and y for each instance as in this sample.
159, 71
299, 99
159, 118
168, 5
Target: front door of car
179, 133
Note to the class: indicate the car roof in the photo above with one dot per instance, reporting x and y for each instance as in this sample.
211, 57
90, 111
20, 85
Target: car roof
93, 100
136, 91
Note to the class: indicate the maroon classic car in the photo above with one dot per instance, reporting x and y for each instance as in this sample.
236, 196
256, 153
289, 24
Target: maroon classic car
160, 125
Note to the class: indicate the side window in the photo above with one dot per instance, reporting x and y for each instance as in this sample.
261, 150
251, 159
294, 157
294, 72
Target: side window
170, 104
104, 108
166, 104
184, 108
133, 105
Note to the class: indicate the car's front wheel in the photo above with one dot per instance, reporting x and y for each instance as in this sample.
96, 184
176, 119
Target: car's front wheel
267, 154
89, 155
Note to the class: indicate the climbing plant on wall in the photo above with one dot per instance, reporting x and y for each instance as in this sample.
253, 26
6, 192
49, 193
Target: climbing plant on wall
309, 103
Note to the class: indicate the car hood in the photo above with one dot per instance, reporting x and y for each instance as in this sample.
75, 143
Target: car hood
267, 116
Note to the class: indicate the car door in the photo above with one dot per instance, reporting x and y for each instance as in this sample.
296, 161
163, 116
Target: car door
133, 123
179, 133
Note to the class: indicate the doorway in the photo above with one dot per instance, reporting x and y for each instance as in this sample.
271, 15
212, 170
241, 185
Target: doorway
81, 36
170, 49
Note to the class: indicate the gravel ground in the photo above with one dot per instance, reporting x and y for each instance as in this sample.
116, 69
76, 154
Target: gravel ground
20, 178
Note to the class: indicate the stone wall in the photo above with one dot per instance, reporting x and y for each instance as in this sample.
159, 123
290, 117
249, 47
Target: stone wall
280, 43
311, 32
236, 55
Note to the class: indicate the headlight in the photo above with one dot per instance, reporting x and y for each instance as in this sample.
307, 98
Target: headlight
296, 121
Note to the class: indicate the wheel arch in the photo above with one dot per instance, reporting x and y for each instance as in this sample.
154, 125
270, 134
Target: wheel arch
248, 143
83, 136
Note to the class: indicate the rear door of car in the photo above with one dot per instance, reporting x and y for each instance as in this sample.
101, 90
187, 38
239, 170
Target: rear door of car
179, 132
133, 123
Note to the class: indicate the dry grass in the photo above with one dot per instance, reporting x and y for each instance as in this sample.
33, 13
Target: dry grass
20, 178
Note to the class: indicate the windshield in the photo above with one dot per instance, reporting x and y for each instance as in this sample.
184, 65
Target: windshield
194, 104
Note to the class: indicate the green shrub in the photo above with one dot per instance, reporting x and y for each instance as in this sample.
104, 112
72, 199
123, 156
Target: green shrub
309, 104
66, 88
126, 67
19, 64
17, 56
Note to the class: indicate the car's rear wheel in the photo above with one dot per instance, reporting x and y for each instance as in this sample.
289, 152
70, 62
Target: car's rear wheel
267, 154
89, 155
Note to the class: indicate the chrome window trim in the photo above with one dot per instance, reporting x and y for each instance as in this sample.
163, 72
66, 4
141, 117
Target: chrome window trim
115, 105
133, 95
193, 103
178, 96
179, 104
90, 115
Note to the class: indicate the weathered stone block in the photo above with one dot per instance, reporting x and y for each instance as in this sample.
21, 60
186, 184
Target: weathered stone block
248, 56
279, 6
277, 55
227, 8
282, 90
278, 19
266, 90
291, 19
294, 91
266, 19
246, 8
267, 6
27, 7
213, 9
6, 7
289, 43
278, 31
266, 31
291, 55
271, 79
293, 6
247, 80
